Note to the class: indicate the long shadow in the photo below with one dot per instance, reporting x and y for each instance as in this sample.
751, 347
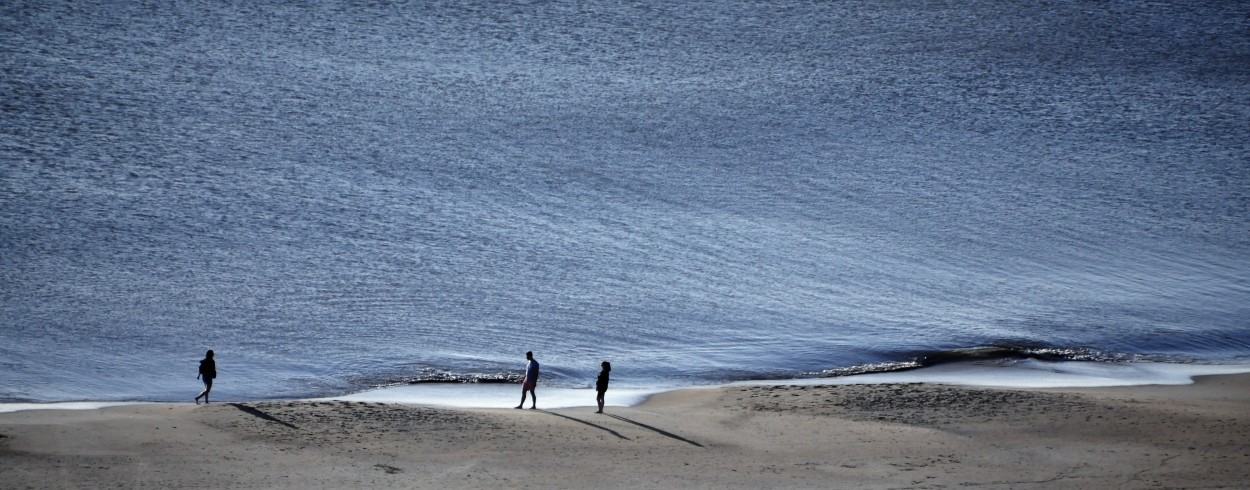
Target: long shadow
600, 427
658, 431
261, 414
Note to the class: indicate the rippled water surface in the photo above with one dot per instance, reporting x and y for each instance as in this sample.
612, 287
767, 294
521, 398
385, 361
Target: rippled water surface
336, 196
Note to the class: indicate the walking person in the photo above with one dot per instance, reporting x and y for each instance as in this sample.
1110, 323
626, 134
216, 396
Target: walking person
601, 384
530, 382
208, 371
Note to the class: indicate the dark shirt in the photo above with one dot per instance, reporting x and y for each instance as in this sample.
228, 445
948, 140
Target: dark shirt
531, 371
208, 368
602, 383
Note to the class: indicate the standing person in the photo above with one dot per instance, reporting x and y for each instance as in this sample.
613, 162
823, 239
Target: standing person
530, 382
208, 371
601, 384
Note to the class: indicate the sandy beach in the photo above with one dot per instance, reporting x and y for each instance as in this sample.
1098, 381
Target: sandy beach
850, 436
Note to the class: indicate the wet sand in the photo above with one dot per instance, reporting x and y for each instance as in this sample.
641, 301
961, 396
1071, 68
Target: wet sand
852, 436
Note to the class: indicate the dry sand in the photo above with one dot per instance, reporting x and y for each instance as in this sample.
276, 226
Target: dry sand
857, 436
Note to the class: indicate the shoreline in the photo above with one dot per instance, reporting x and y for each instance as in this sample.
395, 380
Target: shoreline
862, 435
993, 374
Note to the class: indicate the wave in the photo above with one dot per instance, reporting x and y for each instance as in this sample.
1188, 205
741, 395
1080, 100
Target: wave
1003, 353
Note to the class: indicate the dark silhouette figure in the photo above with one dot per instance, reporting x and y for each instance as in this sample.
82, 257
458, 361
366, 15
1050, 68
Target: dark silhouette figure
530, 382
601, 384
208, 371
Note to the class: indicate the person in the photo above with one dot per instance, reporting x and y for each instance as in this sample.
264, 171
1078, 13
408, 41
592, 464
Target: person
208, 371
601, 384
530, 382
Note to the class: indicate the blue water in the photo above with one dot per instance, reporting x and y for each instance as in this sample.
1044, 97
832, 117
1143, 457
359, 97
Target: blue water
337, 196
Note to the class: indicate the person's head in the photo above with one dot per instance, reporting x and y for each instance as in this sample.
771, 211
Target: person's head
529, 355
607, 366
209, 354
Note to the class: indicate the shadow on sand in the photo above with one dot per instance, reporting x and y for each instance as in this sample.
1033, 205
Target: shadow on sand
600, 427
656, 430
261, 414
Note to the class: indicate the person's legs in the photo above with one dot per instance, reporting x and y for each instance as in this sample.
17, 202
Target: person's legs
599, 400
528, 386
208, 386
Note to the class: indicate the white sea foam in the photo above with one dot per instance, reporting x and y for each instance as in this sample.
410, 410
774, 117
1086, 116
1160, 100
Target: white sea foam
18, 407
472, 395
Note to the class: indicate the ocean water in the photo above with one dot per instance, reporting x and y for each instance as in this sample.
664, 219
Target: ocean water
336, 196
